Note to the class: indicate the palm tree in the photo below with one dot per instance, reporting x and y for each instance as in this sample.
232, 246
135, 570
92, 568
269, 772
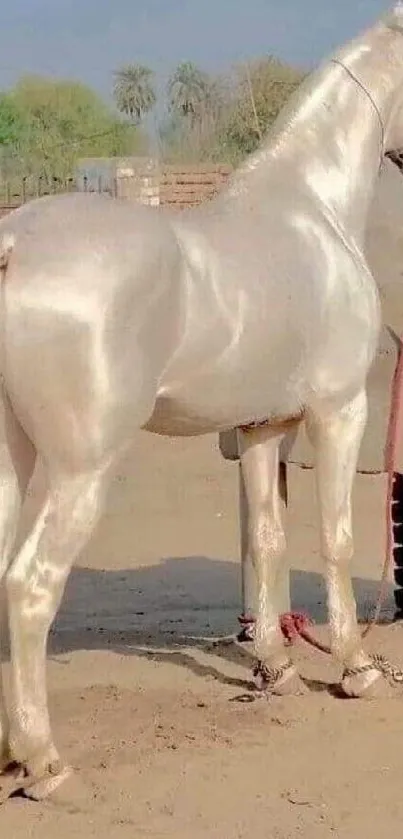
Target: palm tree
188, 90
134, 90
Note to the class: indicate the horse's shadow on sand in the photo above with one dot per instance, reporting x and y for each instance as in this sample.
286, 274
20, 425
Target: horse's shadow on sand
172, 611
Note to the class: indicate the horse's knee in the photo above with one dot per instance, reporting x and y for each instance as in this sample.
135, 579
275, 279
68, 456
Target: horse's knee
337, 551
266, 537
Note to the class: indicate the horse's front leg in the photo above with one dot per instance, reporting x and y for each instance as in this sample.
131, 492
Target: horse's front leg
259, 451
248, 577
336, 436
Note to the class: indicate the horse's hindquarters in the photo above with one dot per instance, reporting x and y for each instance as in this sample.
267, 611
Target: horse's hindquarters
88, 328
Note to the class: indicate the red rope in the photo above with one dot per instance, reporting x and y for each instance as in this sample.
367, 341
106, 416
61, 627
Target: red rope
293, 625
296, 625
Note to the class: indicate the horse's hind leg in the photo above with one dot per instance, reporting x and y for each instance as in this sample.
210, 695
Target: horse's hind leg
337, 436
259, 449
35, 584
17, 460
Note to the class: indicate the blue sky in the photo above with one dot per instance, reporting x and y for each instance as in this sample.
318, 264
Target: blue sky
88, 39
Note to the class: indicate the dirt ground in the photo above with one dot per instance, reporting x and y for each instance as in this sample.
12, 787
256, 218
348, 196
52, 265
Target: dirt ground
147, 705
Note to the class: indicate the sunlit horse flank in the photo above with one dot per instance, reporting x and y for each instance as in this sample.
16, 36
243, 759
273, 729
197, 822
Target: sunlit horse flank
257, 306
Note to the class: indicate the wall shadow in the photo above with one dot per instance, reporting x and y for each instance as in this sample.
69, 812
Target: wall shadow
164, 611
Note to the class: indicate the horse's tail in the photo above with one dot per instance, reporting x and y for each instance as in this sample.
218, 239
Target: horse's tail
7, 244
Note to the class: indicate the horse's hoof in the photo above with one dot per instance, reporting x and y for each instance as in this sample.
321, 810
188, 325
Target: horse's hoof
12, 780
291, 685
5, 761
280, 681
370, 685
37, 789
246, 635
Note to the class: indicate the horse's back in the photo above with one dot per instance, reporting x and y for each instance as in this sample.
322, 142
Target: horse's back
53, 232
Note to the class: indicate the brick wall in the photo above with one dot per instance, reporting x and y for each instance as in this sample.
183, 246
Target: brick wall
6, 208
187, 186
177, 186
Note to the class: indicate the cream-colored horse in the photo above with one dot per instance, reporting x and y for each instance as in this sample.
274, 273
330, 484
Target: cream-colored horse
384, 251
258, 307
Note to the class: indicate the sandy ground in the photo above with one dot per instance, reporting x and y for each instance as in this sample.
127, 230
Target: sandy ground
148, 708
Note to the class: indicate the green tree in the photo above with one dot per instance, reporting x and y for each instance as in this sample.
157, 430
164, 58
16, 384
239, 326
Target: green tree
11, 121
260, 92
224, 118
195, 103
134, 91
189, 91
12, 125
62, 121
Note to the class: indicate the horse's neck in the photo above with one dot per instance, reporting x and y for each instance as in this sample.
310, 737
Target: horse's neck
328, 140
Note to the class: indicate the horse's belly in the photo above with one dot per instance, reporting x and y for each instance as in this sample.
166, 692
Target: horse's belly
214, 401
240, 387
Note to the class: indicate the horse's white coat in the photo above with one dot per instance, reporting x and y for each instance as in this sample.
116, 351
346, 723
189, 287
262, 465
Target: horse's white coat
258, 306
